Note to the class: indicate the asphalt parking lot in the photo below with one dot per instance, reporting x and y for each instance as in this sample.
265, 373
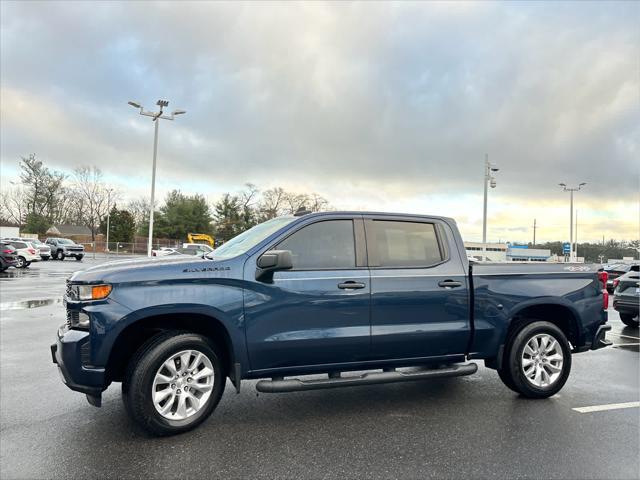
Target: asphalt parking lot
471, 427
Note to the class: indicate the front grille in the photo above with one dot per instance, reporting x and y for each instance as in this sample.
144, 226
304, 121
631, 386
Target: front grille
69, 290
72, 317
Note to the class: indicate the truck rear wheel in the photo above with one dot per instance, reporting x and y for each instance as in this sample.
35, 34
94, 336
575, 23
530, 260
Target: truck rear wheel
173, 383
537, 360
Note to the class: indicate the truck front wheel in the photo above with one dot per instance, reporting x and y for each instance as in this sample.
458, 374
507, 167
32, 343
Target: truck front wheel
173, 383
537, 360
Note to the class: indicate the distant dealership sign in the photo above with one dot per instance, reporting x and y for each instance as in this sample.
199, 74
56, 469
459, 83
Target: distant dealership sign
566, 248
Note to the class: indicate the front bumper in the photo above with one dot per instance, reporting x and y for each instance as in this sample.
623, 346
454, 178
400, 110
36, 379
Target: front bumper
67, 354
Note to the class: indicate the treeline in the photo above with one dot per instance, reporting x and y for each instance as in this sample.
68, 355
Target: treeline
46, 197
594, 252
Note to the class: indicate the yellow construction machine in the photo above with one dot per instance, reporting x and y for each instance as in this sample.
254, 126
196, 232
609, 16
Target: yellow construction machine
201, 238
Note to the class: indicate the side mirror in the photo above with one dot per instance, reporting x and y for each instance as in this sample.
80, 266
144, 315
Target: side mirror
272, 261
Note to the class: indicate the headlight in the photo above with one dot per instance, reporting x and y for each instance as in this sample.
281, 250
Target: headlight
90, 292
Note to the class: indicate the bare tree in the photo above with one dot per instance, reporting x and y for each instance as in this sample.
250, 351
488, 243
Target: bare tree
93, 194
317, 203
15, 205
139, 208
273, 201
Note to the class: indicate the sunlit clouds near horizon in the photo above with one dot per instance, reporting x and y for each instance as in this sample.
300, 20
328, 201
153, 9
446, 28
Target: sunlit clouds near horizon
374, 105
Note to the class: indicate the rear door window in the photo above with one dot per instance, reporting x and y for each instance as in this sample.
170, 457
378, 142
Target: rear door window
398, 244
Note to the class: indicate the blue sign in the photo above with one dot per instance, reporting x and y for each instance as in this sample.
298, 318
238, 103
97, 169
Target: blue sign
566, 248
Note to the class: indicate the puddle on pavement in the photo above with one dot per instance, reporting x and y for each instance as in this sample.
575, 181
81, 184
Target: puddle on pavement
23, 305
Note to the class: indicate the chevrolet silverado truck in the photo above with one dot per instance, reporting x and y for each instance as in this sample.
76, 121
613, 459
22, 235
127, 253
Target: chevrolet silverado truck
319, 301
64, 247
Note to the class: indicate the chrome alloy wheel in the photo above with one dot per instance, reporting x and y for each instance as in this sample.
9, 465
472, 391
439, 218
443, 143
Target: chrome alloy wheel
542, 360
183, 384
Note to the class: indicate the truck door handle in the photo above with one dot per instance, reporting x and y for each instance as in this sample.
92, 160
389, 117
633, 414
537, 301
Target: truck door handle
449, 284
351, 285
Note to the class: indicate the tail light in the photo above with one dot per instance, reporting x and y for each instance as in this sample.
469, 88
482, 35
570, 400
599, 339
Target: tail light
603, 277
32, 251
615, 283
7, 251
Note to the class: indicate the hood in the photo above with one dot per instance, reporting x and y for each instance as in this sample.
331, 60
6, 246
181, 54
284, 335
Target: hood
159, 268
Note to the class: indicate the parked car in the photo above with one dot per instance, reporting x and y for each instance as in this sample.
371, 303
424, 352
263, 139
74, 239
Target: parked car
200, 248
328, 293
43, 248
626, 300
616, 270
64, 247
26, 253
164, 251
8, 256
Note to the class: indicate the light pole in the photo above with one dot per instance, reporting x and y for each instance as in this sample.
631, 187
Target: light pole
154, 117
489, 180
571, 190
108, 213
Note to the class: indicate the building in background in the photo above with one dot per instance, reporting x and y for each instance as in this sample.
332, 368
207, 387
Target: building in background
7, 231
522, 253
505, 252
68, 231
495, 252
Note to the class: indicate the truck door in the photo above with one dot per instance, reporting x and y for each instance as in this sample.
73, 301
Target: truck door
419, 291
318, 312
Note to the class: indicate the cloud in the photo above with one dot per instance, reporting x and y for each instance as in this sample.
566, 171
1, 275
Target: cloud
395, 101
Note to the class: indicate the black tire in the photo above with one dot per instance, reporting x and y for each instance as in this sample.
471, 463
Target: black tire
27, 264
59, 255
629, 320
22, 262
506, 379
79, 258
511, 372
138, 382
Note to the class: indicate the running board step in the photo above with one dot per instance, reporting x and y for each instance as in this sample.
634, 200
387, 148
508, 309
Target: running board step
280, 385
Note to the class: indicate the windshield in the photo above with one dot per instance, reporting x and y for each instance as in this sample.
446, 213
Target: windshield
66, 241
249, 239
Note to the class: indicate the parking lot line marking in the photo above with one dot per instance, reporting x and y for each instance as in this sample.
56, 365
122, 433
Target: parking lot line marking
624, 336
611, 406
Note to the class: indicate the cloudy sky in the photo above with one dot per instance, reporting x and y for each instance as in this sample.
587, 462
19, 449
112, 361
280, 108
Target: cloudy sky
379, 106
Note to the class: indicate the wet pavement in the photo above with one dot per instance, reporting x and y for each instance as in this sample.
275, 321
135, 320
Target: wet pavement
471, 427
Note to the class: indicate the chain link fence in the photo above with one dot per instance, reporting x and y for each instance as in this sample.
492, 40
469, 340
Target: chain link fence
100, 249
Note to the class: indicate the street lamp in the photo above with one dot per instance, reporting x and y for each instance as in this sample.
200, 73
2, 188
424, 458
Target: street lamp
489, 180
108, 213
154, 117
565, 188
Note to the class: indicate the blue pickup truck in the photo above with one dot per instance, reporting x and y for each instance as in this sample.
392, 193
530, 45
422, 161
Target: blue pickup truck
317, 301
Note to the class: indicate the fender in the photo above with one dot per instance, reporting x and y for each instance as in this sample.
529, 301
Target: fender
233, 325
544, 301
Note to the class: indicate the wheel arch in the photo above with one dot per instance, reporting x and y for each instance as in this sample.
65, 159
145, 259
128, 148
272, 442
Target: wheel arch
134, 335
561, 314
555, 311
